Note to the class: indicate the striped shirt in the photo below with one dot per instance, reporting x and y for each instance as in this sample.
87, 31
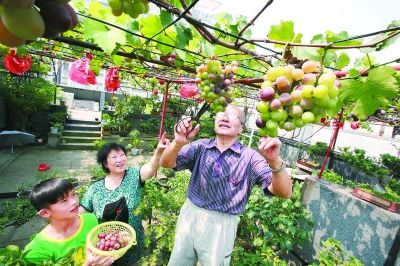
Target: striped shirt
223, 181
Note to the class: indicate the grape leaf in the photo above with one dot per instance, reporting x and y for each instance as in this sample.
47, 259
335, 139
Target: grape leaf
184, 35
165, 17
91, 28
95, 65
96, 9
117, 59
284, 32
306, 53
150, 25
168, 38
181, 54
342, 60
108, 40
332, 37
371, 93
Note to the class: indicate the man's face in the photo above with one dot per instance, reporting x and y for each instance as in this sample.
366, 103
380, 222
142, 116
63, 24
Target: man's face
228, 123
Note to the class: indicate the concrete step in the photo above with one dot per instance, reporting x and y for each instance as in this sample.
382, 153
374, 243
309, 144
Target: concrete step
76, 146
74, 121
76, 139
84, 115
82, 127
80, 133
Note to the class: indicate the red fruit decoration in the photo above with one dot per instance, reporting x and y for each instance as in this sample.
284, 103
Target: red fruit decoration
155, 92
43, 167
113, 81
354, 125
80, 72
188, 90
16, 64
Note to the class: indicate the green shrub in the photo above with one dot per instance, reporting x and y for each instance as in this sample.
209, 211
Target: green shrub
392, 163
98, 144
333, 177
333, 254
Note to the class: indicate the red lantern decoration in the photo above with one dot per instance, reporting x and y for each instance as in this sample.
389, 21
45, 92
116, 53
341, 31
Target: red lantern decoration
80, 72
112, 81
188, 90
16, 64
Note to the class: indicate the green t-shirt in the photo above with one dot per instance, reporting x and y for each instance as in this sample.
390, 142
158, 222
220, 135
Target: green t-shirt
43, 247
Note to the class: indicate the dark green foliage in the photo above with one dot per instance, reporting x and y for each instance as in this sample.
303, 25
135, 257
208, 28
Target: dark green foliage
392, 163
26, 96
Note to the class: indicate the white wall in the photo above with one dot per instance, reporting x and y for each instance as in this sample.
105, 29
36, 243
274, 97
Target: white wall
372, 143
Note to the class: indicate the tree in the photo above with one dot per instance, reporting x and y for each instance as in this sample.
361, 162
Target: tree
26, 96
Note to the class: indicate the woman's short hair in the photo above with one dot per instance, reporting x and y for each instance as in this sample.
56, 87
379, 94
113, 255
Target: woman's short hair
103, 153
50, 191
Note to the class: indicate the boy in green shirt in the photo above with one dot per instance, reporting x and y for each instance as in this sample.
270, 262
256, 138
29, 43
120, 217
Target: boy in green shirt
55, 199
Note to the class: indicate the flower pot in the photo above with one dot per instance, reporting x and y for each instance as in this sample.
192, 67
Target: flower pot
53, 130
386, 204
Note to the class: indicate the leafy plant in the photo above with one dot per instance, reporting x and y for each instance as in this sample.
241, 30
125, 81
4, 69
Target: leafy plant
98, 144
269, 257
317, 149
358, 159
25, 98
97, 172
333, 254
57, 119
12, 255
332, 176
134, 139
392, 163
160, 206
274, 222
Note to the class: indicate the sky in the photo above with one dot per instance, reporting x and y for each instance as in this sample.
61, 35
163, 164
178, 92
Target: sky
312, 17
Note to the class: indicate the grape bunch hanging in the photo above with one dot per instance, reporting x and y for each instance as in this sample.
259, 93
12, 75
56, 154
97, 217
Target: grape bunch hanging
214, 81
292, 97
22, 20
131, 7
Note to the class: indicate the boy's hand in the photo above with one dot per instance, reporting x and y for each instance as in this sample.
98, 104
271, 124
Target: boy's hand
92, 260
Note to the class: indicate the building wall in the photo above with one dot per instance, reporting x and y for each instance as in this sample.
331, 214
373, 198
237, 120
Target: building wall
365, 230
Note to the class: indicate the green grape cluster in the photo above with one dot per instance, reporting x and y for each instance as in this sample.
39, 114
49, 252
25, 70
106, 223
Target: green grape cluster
292, 97
214, 81
131, 7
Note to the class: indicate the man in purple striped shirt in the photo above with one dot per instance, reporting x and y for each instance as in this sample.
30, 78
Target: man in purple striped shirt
223, 174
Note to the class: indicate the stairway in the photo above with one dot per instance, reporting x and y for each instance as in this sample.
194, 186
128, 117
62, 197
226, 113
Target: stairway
80, 134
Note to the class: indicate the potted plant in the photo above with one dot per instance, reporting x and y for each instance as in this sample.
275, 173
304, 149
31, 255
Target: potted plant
106, 105
134, 142
56, 120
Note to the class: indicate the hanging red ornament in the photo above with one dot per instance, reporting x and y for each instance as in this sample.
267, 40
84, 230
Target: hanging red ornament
17, 64
355, 125
80, 72
112, 81
188, 90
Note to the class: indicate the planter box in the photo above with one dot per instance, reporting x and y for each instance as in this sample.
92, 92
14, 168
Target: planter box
305, 166
386, 204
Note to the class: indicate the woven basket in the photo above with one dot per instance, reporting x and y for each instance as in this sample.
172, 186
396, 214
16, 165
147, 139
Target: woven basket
114, 226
